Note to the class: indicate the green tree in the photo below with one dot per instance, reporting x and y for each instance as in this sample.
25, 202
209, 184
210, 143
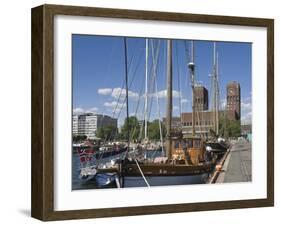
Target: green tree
154, 130
229, 128
78, 138
234, 129
223, 126
108, 132
131, 126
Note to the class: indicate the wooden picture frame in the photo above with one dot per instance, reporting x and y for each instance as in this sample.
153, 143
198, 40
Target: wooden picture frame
42, 203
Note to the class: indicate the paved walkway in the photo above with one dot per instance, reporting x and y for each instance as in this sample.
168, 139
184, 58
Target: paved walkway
238, 164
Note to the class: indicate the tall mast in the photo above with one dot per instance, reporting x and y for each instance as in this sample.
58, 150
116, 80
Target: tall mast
169, 99
217, 94
191, 67
146, 95
215, 91
127, 99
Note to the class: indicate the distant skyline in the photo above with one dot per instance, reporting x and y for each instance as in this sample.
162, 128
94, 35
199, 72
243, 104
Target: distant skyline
98, 75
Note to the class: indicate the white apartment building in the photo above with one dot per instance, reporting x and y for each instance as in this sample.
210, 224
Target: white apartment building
75, 124
87, 124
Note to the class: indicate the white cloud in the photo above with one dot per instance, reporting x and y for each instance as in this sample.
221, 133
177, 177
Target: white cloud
163, 93
110, 104
121, 93
114, 104
105, 91
118, 93
78, 111
176, 93
246, 106
93, 109
114, 107
223, 103
246, 118
246, 110
183, 100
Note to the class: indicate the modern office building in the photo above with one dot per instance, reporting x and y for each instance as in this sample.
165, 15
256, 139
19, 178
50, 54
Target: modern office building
88, 123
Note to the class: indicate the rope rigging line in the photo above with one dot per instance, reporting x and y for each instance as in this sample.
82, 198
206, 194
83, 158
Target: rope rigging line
188, 79
150, 90
179, 87
147, 184
124, 100
131, 82
151, 71
130, 68
108, 69
115, 132
155, 64
199, 124
134, 75
152, 85
138, 103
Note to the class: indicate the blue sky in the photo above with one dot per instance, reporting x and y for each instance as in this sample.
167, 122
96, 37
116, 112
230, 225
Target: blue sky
99, 73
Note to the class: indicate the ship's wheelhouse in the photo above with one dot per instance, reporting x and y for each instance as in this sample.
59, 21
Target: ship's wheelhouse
188, 150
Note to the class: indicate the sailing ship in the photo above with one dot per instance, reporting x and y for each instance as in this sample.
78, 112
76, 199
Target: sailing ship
184, 161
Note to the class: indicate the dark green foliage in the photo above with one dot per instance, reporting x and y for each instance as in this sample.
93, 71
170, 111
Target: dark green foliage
137, 134
107, 133
154, 131
78, 138
131, 126
229, 128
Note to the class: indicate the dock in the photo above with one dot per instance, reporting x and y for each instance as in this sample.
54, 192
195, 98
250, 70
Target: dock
237, 165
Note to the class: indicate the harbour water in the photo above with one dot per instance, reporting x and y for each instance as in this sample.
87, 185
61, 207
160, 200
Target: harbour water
78, 184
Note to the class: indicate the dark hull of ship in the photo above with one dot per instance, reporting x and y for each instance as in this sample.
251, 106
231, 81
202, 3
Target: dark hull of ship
165, 180
165, 174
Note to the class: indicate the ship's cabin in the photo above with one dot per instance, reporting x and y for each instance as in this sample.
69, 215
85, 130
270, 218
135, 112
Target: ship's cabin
188, 150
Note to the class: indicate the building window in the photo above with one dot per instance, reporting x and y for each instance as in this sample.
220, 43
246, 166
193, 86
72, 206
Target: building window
183, 145
189, 144
197, 143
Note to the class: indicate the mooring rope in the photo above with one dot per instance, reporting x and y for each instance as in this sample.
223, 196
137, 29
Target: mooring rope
147, 184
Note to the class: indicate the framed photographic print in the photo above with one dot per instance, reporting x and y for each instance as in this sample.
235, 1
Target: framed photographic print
141, 112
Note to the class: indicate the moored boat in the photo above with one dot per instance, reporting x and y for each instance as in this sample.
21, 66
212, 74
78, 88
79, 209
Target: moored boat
187, 165
184, 161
